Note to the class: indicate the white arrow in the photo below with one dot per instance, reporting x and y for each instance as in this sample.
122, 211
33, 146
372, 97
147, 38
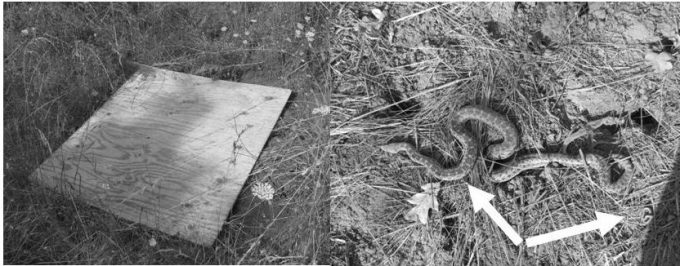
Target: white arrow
604, 222
480, 200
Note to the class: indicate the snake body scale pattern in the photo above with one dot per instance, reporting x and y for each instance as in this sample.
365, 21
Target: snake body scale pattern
502, 151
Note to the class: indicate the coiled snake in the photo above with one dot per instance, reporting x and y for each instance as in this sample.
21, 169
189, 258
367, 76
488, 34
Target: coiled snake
504, 150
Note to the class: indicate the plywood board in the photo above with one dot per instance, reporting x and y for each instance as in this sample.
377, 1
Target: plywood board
168, 150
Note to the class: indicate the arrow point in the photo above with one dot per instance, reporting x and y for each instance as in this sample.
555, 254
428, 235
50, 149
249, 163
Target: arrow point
479, 198
606, 222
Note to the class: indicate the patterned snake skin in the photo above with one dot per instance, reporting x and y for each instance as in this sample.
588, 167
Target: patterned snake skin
504, 150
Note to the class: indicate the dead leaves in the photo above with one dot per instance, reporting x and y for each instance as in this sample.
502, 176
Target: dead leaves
424, 201
660, 62
377, 13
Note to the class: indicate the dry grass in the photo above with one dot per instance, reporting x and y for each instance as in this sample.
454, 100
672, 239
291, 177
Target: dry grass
402, 78
69, 61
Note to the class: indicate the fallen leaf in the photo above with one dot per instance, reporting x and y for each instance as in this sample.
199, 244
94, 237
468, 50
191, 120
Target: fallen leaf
424, 201
660, 62
378, 14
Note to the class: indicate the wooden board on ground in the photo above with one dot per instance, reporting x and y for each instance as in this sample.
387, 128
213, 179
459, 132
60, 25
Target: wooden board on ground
168, 150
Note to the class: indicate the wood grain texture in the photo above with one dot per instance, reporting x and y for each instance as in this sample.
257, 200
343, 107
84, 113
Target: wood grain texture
168, 150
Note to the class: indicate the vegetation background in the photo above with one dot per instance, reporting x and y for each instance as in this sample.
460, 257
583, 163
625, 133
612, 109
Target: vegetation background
570, 76
64, 60
397, 74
